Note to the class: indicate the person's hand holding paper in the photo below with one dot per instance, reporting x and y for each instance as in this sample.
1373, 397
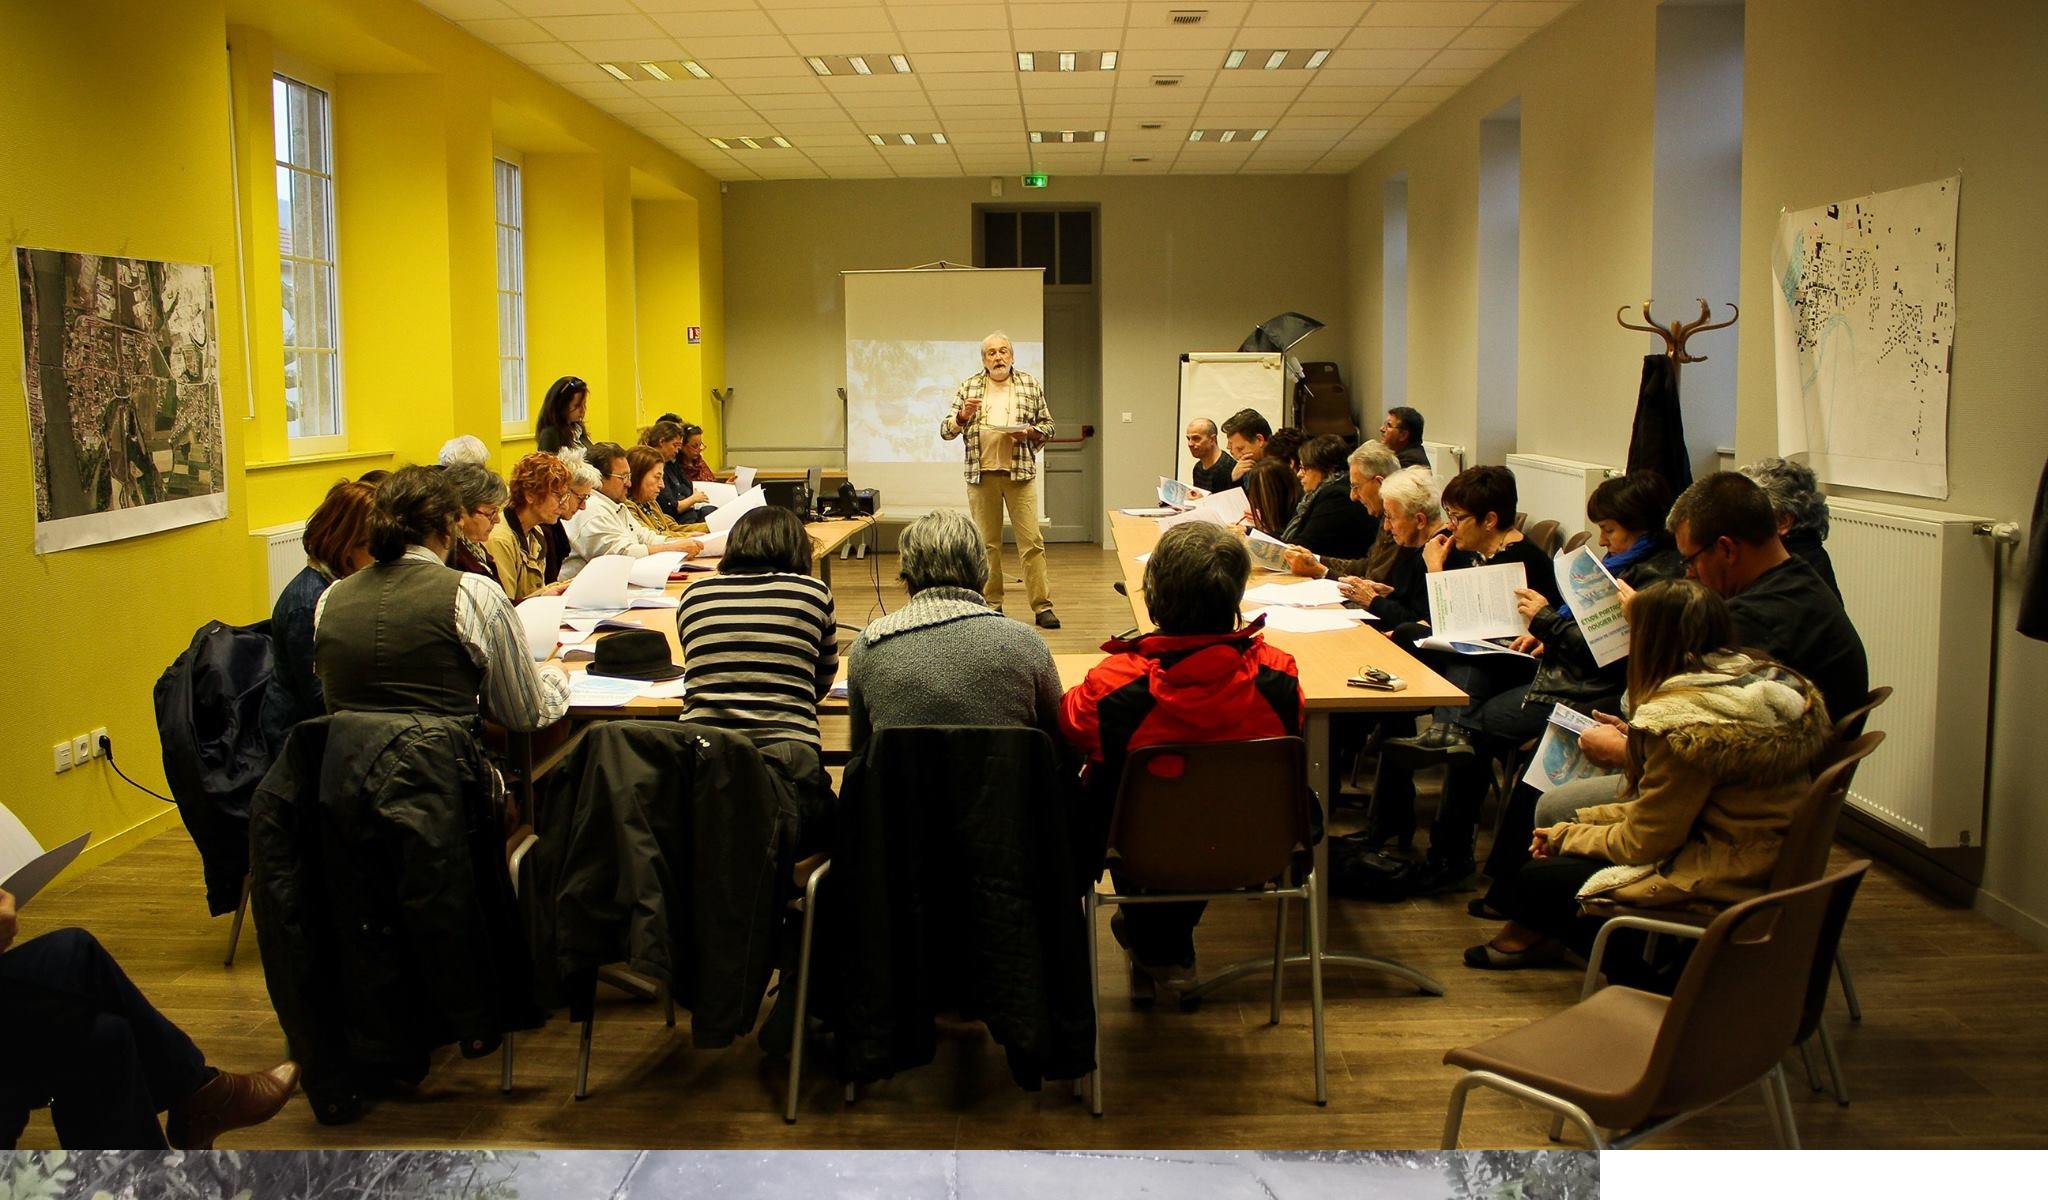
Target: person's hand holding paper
1606, 744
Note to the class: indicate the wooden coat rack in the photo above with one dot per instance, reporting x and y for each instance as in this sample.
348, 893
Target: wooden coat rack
1676, 333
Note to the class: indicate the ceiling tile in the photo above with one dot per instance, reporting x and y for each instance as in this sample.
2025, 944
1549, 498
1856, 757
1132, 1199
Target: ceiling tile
1434, 95
1302, 37
1199, 38
1396, 37
1492, 38
709, 50
1458, 14
1404, 109
1316, 108
569, 8
1158, 14
471, 10
1001, 61
508, 31
1278, 12
1381, 59
1363, 78
1477, 60
927, 18
537, 53
1524, 14
692, 22
865, 19
1439, 75
759, 68
1054, 15
628, 49
617, 25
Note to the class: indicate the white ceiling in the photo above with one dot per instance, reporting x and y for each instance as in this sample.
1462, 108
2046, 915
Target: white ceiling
1391, 62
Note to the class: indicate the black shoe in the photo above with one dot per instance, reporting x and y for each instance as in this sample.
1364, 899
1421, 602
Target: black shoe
1046, 619
1428, 748
1121, 590
1435, 876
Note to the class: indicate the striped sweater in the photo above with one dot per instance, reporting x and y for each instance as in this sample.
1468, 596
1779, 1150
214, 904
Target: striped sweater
759, 652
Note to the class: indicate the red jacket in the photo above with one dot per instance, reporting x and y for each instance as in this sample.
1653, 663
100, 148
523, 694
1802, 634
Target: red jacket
1196, 688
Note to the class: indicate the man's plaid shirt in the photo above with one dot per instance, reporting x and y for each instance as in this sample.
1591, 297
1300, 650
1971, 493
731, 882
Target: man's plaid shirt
1031, 410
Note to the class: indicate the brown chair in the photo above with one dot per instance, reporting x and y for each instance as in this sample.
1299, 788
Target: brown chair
1639, 1063
1802, 858
1544, 535
1216, 821
1576, 540
1846, 729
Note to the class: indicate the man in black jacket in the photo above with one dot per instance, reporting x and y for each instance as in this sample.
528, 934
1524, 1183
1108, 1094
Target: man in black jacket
1401, 432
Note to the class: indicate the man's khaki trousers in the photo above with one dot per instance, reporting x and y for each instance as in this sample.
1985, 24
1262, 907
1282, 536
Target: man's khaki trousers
987, 501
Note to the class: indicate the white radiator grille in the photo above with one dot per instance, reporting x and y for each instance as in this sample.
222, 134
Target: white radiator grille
1555, 489
1918, 585
284, 548
1445, 460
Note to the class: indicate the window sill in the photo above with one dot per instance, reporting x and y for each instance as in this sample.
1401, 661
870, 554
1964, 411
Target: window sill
316, 459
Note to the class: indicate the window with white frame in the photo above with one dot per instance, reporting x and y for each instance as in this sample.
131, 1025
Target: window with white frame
305, 235
511, 295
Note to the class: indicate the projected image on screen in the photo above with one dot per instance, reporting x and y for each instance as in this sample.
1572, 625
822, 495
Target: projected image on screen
898, 392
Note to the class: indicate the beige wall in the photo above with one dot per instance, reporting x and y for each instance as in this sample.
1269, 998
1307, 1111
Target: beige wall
1186, 264
1841, 97
1911, 92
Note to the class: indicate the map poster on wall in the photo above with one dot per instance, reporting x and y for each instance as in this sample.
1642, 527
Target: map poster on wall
123, 381
1865, 323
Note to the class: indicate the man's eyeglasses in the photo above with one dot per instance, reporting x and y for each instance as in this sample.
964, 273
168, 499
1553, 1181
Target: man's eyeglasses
619, 475
1685, 561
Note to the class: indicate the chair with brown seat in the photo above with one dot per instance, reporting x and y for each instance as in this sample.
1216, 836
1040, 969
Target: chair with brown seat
1545, 536
1576, 540
1847, 728
1802, 858
1657, 1061
1216, 821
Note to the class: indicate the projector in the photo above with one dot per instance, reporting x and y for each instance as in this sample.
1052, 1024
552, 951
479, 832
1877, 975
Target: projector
850, 502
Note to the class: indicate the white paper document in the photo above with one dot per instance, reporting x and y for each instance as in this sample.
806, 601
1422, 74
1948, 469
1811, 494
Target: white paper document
1309, 593
714, 543
1230, 505
1142, 558
1558, 758
603, 691
1282, 619
542, 618
1173, 493
1269, 553
667, 689
601, 584
25, 867
1475, 603
718, 493
1595, 603
1463, 646
742, 480
748, 501
653, 571
1148, 512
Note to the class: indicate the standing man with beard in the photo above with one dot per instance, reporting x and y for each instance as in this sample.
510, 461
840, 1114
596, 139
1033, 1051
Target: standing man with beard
1002, 412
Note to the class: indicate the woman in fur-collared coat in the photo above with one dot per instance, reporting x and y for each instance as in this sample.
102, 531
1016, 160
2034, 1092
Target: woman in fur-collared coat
1720, 746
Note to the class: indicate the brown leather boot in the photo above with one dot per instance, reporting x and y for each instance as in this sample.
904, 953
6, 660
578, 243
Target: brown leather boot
229, 1101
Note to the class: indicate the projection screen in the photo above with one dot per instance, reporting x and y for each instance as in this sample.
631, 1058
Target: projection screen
911, 338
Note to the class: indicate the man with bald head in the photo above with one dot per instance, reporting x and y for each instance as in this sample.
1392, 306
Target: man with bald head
1002, 414
1214, 468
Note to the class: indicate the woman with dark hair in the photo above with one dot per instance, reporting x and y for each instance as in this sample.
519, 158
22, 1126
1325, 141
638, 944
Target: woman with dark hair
337, 542
560, 423
761, 649
519, 545
1329, 523
677, 498
483, 496
1286, 445
407, 634
1273, 491
1720, 743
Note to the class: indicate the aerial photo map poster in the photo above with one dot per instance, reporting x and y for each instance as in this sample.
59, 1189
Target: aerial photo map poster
123, 381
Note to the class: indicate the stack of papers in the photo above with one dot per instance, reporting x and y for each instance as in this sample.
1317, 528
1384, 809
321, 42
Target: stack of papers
605, 585
1309, 593
1309, 620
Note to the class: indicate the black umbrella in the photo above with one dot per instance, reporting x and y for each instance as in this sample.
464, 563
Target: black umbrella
1278, 334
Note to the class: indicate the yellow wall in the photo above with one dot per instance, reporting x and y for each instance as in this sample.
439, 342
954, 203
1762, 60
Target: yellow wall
115, 137
1840, 98
670, 300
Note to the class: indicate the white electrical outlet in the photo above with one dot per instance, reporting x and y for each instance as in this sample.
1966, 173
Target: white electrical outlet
62, 751
98, 735
81, 750
1127, 418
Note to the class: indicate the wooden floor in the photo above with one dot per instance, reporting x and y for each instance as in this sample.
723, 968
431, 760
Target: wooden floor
1952, 1051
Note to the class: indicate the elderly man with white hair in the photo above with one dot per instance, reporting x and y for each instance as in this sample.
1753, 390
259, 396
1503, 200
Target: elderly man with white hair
1002, 413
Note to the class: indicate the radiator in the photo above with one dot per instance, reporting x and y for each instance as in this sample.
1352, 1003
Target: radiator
1919, 586
1445, 460
284, 550
1555, 489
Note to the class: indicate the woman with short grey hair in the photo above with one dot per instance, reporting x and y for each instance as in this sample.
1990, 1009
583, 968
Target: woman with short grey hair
483, 494
1801, 510
946, 657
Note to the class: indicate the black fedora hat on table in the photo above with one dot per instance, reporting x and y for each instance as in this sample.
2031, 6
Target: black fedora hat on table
634, 654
